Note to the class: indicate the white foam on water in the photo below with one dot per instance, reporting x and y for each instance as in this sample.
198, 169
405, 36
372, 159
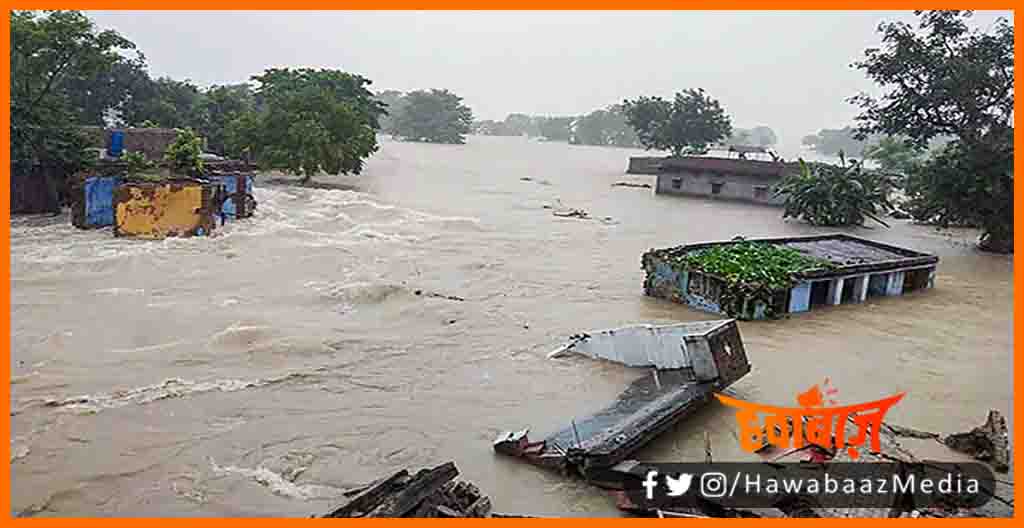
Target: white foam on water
304, 217
170, 388
278, 484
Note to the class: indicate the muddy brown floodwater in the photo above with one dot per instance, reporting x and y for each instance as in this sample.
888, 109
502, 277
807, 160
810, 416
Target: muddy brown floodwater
263, 371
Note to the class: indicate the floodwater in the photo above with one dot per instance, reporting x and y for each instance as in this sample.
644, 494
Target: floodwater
264, 371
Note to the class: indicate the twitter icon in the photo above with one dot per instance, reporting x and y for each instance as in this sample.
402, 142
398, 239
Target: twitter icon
679, 485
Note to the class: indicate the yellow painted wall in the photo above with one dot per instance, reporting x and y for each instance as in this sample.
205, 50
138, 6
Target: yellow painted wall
160, 210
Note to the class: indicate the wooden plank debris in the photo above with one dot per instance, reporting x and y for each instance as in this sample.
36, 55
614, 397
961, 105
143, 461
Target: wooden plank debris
432, 492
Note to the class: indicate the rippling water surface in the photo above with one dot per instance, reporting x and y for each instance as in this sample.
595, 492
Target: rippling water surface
267, 369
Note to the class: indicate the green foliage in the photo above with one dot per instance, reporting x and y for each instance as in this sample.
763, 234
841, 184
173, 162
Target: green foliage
943, 79
220, 106
137, 162
309, 121
555, 128
183, 155
895, 156
605, 127
167, 103
965, 185
53, 53
830, 142
759, 136
392, 101
751, 272
435, 116
752, 263
687, 125
835, 195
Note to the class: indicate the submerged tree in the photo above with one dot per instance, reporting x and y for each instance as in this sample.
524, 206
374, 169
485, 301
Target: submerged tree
944, 79
686, 125
310, 121
435, 116
605, 127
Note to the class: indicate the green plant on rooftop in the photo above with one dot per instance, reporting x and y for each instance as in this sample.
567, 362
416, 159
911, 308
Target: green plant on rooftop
183, 156
750, 272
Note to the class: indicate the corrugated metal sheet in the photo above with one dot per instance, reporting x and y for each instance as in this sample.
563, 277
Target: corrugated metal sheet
159, 210
663, 347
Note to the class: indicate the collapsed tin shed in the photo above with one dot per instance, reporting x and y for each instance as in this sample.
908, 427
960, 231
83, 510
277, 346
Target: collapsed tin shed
691, 361
823, 270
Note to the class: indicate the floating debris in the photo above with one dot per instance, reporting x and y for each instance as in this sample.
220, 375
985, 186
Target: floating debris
429, 493
989, 442
650, 405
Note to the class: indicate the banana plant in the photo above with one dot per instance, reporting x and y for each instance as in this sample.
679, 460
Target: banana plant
836, 195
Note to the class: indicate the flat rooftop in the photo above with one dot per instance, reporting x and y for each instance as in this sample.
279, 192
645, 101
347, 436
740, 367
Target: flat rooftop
849, 254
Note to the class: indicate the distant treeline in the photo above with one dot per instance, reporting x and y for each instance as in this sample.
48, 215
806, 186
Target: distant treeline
603, 127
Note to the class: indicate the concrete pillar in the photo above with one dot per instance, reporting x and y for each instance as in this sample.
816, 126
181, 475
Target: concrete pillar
835, 291
895, 286
860, 288
800, 298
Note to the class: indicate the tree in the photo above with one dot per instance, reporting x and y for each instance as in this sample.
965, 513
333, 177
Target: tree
830, 142
604, 127
168, 103
760, 136
220, 106
895, 156
835, 195
309, 121
392, 100
686, 125
183, 155
520, 125
554, 128
51, 53
435, 116
944, 79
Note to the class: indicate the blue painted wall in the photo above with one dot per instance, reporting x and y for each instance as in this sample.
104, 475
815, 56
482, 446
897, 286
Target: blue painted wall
800, 298
99, 200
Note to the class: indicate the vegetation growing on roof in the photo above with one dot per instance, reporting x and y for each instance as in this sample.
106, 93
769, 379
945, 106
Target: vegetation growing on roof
750, 272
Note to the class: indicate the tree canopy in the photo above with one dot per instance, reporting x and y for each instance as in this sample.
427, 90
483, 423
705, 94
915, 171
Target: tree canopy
831, 141
759, 136
434, 116
944, 79
686, 125
54, 55
309, 121
605, 127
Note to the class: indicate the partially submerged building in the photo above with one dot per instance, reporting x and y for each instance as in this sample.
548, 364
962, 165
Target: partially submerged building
735, 179
742, 173
835, 269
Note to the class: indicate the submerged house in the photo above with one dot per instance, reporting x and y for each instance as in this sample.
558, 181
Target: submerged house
736, 179
763, 278
742, 173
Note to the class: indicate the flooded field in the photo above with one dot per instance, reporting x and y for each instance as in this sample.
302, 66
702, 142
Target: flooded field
297, 354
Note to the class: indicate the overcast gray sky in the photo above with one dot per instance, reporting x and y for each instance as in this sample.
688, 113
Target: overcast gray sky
785, 69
